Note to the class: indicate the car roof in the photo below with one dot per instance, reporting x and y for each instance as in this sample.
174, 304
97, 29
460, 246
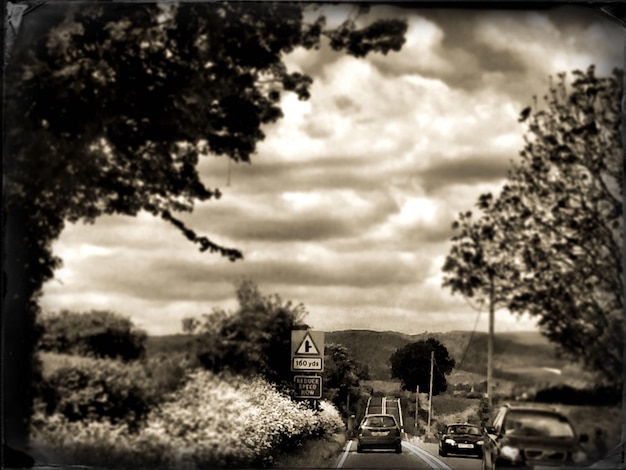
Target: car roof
535, 407
379, 414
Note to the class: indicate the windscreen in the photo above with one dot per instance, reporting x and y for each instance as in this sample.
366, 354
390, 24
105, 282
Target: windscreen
537, 424
463, 430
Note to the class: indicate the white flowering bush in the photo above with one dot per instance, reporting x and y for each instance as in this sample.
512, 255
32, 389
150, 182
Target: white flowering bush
213, 421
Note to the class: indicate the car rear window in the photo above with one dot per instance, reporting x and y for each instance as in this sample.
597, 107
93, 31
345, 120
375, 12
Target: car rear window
379, 422
463, 430
537, 424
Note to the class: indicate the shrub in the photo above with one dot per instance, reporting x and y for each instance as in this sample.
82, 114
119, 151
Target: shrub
213, 421
96, 333
255, 339
229, 421
101, 389
567, 395
167, 373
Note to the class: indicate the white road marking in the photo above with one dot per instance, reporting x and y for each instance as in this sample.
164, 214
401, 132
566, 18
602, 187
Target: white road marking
430, 459
345, 454
384, 405
400, 414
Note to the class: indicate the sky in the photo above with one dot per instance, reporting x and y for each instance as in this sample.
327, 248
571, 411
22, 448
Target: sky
348, 203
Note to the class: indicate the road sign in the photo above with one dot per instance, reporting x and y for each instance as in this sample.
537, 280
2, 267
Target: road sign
307, 343
307, 347
307, 351
308, 386
315, 364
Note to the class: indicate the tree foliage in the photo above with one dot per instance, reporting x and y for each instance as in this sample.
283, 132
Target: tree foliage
98, 333
341, 376
102, 389
557, 223
411, 364
111, 105
255, 339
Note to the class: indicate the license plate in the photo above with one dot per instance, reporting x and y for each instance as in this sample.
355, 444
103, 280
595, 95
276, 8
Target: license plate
466, 446
380, 433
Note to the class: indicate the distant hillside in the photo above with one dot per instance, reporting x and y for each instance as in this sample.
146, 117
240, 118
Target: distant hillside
168, 344
511, 350
518, 357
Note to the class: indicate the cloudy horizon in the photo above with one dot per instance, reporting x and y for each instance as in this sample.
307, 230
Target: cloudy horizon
348, 203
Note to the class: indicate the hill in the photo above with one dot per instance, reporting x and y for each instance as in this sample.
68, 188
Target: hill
514, 353
518, 356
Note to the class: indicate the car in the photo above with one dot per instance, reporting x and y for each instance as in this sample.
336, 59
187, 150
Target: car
528, 436
461, 439
378, 431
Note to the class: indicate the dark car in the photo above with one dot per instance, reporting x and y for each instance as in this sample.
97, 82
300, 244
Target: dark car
461, 439
527, 436
379, 431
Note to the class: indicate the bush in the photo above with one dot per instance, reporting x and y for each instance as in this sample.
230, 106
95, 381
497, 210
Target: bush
255, 339
567, 395
96, 333
213, 421
167, 373
101, 389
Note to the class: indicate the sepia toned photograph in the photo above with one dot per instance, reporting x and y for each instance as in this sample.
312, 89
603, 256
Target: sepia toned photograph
271, 234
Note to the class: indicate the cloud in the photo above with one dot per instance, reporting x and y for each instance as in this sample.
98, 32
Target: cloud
348, 203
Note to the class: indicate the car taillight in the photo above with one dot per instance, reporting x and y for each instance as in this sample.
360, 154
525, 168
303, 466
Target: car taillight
365, 432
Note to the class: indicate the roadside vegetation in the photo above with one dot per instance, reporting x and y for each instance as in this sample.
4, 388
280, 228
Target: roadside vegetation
60, 133
549, 244
212, 421
219, 396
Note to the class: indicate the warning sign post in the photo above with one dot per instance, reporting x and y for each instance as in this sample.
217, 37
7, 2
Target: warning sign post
308, 386
307, 356
307, 351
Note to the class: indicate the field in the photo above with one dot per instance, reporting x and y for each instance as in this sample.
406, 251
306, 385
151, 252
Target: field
516, 355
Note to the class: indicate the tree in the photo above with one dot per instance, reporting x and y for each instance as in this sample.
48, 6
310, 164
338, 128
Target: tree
255, 339
98, 333
411, 364
478, 265
111, 105
190, 325
559, 218
341, 376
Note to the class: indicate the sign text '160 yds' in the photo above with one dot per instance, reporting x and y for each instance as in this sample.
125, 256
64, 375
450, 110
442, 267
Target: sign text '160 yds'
307, 363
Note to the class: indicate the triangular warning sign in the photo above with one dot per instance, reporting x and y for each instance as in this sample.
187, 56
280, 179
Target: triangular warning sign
307, 347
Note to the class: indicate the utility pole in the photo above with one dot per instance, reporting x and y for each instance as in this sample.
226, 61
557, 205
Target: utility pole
430, 394
417, 404
490, 343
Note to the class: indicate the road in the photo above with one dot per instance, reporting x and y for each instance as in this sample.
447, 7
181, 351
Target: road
415, 454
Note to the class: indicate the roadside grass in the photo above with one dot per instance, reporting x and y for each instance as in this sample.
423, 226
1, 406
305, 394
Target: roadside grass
387, 388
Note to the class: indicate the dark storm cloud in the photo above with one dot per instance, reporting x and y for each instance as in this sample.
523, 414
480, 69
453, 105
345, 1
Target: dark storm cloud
181, 280
315, 174
470, 61
287, 225
467, 170
318, 227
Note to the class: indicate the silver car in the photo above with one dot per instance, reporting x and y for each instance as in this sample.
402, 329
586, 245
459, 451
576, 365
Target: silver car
379, 431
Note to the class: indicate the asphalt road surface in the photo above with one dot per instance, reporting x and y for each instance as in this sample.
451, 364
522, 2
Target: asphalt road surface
415, 454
